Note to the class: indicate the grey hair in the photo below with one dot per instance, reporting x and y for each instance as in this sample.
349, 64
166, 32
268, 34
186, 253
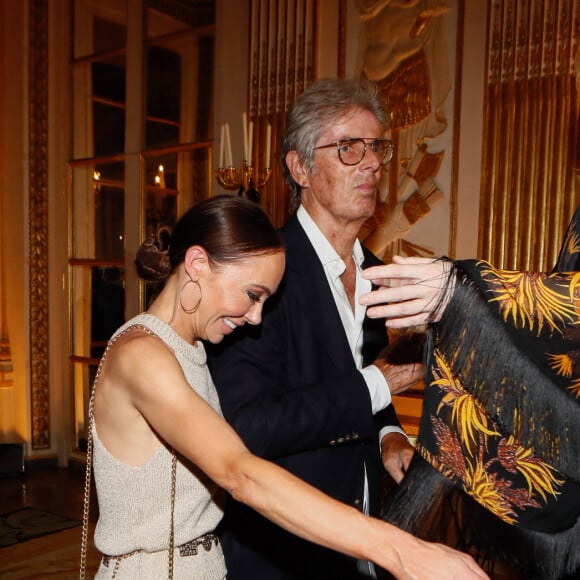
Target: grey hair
321, 104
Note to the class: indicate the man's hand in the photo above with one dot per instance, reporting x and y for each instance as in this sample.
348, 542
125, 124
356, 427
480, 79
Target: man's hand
400, 364
396, 453
400, 376
400, 361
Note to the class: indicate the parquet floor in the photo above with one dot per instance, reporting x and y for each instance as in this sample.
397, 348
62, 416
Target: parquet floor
57, 556
54, 556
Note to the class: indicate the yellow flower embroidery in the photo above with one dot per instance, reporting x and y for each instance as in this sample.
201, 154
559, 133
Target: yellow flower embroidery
482, 487
527, 300
573, 244
538, 475
575, 388
561, 363
466, 412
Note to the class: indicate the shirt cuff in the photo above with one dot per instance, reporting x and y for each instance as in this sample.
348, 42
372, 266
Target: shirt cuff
378, 388
391, 429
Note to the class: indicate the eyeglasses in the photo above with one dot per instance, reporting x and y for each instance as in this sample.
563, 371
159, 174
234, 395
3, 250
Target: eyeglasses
352, 151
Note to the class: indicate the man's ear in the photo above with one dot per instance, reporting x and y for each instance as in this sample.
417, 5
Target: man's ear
196, 261
297, 169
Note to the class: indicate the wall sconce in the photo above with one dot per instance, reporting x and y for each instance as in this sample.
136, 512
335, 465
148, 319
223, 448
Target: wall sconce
246, 178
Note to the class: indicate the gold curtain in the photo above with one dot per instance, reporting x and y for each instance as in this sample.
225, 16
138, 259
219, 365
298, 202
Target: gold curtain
281, 67
6, 369
531, 121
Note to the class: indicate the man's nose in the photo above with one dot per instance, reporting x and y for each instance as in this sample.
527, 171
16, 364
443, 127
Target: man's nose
371, 160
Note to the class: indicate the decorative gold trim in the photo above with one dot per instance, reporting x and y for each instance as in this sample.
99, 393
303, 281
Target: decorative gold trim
458, 77
282, 65
341, 50
417, 87
38, 222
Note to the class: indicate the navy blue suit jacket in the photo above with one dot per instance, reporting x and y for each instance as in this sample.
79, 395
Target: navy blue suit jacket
291, 389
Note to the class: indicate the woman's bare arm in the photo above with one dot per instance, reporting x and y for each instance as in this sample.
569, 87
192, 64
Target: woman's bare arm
159, 391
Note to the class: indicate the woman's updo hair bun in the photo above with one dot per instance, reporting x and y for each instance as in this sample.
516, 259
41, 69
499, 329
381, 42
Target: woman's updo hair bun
152, 259
229, 228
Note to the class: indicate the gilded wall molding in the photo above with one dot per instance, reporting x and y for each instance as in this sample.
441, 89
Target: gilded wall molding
282, 65
38, 222
341, 49
531, 129
419, 84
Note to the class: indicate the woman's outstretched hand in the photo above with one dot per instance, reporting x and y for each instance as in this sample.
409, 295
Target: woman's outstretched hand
433, 560
412, 291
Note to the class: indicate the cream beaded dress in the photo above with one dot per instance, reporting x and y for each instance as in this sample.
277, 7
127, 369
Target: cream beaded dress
135, 502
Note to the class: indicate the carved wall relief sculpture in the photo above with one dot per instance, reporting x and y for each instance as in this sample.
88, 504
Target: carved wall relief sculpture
404, 49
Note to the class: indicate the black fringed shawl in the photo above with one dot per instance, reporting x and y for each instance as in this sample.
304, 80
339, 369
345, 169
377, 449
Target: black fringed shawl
569, 258
498, 460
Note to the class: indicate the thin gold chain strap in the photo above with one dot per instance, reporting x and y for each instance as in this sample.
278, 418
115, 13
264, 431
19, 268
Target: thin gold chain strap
88, 473
171, 527
86, 502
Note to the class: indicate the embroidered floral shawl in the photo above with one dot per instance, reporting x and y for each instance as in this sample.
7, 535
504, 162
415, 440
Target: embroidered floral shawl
498, 465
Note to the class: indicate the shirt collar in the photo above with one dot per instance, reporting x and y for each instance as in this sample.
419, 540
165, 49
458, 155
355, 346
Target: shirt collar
323, 248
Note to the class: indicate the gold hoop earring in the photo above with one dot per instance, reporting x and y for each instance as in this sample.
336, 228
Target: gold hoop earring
195, 308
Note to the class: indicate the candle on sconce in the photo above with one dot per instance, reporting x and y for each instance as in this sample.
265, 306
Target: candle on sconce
228, 146
160, 177
268, 145
246, 180
245, 130
250, 141
222, 145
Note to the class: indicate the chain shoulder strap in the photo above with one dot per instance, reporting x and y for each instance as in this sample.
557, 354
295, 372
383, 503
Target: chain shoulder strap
88, 474
89, 469
171, 525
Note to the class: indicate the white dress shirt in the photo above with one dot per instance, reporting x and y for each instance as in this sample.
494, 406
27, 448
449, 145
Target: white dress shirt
334, 267
352, 322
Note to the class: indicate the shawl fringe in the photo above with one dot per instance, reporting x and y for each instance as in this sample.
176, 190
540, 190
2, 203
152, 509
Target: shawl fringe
430, 506
503, 378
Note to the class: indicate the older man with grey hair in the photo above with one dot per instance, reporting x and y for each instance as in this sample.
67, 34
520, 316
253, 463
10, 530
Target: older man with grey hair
310, 389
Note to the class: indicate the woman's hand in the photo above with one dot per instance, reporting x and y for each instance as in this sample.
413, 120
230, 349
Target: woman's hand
407, 557
412, 291
433, 560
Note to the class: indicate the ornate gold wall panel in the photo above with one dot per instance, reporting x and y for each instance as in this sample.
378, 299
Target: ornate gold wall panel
406, 49
38, 222
282, 62
531, 129
6, 367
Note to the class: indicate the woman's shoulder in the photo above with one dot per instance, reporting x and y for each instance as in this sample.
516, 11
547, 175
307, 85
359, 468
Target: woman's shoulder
137, 348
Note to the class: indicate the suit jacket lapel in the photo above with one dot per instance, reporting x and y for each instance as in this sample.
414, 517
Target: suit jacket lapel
374, 329
308, 286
